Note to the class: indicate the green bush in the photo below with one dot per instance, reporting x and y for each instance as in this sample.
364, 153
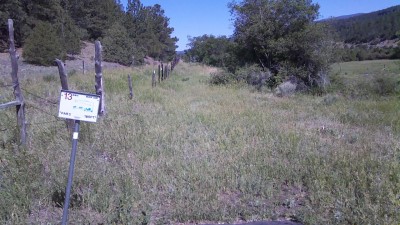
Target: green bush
222, 77
254, 75
43, 45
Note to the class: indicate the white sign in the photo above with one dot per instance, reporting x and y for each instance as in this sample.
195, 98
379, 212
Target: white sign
78, 106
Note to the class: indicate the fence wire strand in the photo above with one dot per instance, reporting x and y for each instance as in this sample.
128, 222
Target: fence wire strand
43, 111
37, 96
31, 104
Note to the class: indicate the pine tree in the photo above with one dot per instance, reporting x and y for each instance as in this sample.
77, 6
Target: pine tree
42, 10
70, 37
149, 29
117, 45
94, 17
43, 45
68, 32
11, 9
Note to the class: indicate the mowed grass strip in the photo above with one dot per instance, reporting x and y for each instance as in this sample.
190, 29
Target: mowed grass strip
188, 152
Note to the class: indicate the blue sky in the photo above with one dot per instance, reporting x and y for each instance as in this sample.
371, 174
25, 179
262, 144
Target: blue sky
197, 17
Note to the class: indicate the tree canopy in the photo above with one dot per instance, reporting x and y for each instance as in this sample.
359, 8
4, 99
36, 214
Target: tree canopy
146, 30
280, 36
149, 30
210, 50
117, 45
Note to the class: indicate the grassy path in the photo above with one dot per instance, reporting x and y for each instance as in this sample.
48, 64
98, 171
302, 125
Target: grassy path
187, 152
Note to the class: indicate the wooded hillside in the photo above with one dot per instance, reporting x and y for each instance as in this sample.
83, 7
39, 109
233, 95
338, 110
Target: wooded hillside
368, 36
375, 26
141, 30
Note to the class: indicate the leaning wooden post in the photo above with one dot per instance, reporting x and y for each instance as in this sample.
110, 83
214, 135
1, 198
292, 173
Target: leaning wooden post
99, 78
130, 87
63, 75
17, 89
64, 86
153, 79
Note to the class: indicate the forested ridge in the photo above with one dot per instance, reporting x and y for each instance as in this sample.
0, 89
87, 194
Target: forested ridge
375, 26
127, 34
368, 36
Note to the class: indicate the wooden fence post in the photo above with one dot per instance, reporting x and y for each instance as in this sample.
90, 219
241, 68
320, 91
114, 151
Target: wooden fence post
130, 87
83, 66
162, 71
159, 73
63, 75
166, 71
174, 62
153, 79
64, 86
99, 78
17, 90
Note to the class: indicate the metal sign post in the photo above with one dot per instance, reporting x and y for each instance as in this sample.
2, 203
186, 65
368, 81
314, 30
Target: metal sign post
71, 171
77, 106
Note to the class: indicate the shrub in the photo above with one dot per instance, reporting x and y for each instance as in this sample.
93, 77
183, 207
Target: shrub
254, 75
221, 77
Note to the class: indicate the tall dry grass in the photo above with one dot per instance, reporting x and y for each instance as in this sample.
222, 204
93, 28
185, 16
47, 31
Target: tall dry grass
187, 152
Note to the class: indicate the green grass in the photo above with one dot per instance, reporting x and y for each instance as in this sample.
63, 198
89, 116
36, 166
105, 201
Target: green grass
186, 151
366, 79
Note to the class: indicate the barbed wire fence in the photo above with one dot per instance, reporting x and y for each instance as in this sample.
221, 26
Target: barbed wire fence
43, 105
48, 108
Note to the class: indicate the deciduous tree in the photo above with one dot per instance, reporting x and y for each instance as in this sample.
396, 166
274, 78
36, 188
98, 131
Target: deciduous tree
281, 36
211, 50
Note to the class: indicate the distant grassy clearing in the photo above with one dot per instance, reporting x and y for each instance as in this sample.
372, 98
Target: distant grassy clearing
187, 151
